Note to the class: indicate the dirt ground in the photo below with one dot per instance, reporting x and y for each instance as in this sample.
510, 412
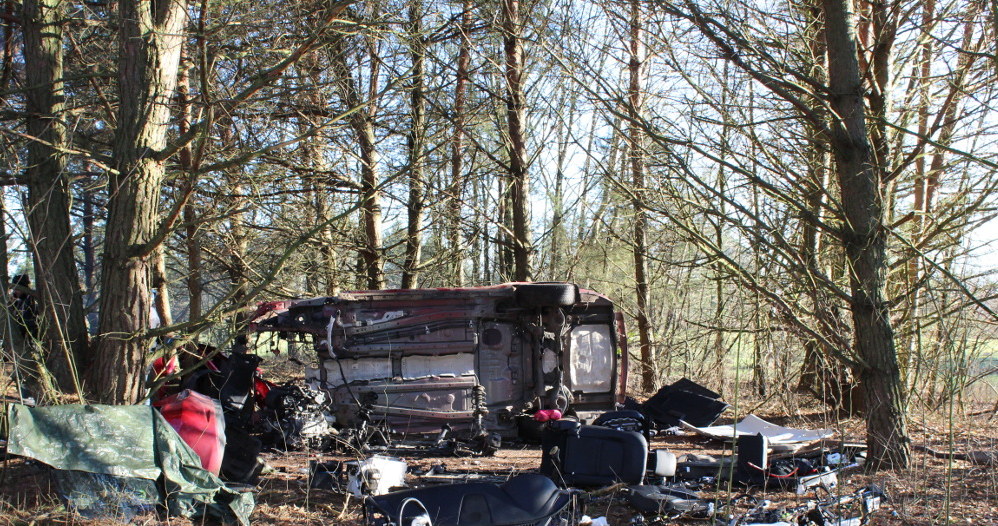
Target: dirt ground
932, 491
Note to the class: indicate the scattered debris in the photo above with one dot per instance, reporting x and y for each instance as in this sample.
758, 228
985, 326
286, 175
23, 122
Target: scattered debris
612, 461
829, 511
296, 417
669, 501
327, 475
753, 466
376, 475
684, 401
780, 438
442, 372
980, 458
526, 499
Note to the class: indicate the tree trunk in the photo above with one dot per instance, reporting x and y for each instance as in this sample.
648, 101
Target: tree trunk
362, 123
5, 325
502, 265
161, 284
7, 60
89, 247
558, 235
416, 143
188, 164
927, 179
883, 31
635, 151
865, 240
512, 25
192, 239
150, 38
455, 193
64, 332
238, 245
325, 270
371, 207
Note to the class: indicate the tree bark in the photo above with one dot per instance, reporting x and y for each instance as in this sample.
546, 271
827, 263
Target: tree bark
192, 240
865, 240
7, 59
821, 373
362, 123
512, 25
416, 144
161, 284
150, 39
323, 274
238, 247
88, 246
188, 164
64, 332
456, 190
371, 207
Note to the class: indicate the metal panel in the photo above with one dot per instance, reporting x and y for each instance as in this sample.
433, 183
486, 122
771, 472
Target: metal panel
499, 366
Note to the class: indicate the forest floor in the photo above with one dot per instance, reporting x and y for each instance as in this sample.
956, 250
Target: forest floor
932, 491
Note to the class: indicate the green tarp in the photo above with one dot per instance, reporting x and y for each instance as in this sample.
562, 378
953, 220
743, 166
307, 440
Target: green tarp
128, 442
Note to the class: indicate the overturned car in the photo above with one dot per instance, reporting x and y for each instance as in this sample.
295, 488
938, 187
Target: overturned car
460, 358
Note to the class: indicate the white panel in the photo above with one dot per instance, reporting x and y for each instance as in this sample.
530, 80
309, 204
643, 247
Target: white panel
591, 369
549, 361
359, 369
448, 365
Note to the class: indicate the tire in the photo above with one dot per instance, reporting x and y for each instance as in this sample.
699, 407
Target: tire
546, 294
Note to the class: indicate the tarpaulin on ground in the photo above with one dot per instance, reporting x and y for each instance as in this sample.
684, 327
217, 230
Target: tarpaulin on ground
127, 442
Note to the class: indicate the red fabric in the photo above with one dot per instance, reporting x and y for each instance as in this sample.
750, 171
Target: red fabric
162, 367
543, 415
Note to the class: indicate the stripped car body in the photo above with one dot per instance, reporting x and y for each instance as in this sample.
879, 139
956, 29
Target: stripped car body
493, 355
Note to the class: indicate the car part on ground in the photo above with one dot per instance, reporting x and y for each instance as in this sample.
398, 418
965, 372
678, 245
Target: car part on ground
236, 381
585, 456
753, 466
295, 417
327, 475
431, 357
780, 438
241, 461
853, 509
527, 500
684, 401
669, 501
376, 475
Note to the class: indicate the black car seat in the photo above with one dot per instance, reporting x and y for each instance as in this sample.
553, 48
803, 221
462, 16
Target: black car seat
579, 455
527, 499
